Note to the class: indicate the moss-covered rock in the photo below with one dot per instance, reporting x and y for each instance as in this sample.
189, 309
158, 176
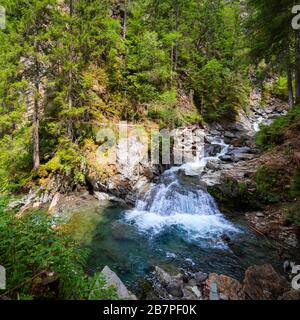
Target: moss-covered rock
233, 195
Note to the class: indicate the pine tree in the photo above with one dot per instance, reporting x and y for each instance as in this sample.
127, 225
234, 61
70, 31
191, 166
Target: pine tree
273, 39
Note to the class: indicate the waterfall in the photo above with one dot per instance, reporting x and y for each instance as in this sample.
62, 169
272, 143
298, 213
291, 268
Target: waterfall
175, 203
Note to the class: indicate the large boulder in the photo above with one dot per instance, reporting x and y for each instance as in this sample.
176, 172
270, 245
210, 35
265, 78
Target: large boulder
221, 287
264, 283
112, 280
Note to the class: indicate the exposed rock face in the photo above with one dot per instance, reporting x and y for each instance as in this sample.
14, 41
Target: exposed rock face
113, 280
274, 224
132, 172
264, 283
53, 206
220, 287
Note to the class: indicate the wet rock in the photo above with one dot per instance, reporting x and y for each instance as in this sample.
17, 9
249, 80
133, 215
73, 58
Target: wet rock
191, 293
113, 280
225, 238
200, 277
264, 283
175, 289
163, 277
213, 165
181, 287
242, 157
212, 150
229, 288
229, 134
226, 158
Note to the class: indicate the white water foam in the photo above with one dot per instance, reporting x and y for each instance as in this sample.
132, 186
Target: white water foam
172, 203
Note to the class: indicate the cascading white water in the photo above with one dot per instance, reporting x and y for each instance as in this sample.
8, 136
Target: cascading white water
173, 203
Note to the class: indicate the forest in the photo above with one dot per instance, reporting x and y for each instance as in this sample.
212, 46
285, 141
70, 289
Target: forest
71, 67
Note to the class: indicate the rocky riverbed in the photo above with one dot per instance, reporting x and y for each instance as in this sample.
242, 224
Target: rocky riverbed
152, 231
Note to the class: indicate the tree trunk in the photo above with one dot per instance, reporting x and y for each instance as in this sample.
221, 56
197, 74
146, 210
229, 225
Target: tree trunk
124, 20
36, 120
175, 46
290, 86
70, 84
297, 66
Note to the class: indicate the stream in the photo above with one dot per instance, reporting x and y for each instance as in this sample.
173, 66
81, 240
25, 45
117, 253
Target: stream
176, 225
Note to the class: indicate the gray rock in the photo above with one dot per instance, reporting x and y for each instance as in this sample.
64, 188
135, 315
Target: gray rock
113, 280
175, 289
163, 277
192, 293
213, 293
101, 196
229, 134
200, 277
242, 157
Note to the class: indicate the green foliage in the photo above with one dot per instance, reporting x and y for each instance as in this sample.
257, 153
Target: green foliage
148, 72
171, 117
68, 160
218, 95
270, 187
292, 210
233, 196
15, 161
31, 245
280, 88
295, 189
270, 136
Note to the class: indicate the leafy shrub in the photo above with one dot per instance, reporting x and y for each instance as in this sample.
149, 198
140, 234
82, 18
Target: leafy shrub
219, 92
270, 185
292, 210
15, 161
270, 136
31, 245
67, 160
172, 117
279, 88
295, 189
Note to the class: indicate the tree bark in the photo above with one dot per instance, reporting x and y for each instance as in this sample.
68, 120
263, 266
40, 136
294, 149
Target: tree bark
175, 45
124, 20
297, 66
70, 80
290, 86
36, 120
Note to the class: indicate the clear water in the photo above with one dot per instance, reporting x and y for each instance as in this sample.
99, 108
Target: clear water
132, 254
177, 224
